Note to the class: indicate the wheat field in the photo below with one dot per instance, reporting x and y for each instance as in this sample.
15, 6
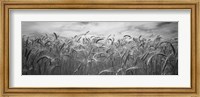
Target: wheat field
84, 54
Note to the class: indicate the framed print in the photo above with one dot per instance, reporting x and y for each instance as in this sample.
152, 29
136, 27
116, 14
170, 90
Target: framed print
100, 48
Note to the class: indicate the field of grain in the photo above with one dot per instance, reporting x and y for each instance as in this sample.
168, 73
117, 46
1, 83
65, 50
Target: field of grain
51, 54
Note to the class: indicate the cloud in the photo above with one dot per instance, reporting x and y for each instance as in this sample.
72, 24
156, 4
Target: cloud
163, 24
68, 29
84, 23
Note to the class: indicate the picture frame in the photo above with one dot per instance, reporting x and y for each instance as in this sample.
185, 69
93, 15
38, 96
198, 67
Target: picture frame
192, 5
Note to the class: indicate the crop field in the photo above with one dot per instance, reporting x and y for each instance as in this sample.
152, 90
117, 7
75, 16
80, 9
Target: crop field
85, 54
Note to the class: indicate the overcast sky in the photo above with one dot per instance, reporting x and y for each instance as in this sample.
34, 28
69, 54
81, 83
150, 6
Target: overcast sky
117, 29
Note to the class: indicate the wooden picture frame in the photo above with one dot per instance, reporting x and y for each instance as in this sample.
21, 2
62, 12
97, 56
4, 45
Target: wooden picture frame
193, 5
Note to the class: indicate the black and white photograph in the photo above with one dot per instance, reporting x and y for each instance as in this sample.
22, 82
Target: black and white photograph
99, 47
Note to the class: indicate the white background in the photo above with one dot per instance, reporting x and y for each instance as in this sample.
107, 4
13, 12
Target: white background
180, 80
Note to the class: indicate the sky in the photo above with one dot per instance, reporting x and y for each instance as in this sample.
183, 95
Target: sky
116, 29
